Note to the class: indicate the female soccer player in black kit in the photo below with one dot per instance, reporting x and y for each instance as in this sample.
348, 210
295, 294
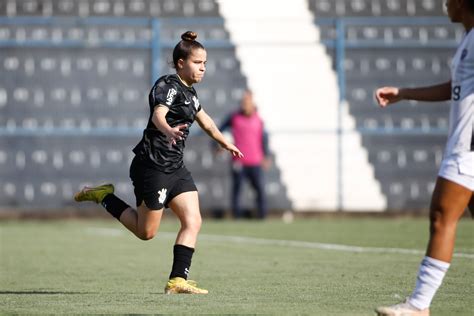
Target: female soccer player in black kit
159, 176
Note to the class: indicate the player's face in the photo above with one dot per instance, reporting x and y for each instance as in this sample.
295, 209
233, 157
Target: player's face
193, 68
247, 105
454, 8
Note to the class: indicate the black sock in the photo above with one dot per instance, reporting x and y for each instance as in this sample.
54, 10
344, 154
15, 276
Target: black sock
181, 261
114, 205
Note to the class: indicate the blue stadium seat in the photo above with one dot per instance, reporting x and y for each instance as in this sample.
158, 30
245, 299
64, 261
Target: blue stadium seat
340, 8
117, 8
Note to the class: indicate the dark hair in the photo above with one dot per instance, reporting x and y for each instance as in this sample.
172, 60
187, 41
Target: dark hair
183, 49
470, 5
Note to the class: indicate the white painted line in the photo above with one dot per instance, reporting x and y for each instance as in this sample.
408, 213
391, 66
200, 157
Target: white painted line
279, 242
316, 245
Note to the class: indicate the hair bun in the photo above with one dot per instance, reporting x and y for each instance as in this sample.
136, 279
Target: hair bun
189, 36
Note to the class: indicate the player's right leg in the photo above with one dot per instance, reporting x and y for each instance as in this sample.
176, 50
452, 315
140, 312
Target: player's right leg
94, 194
142, 222
402, 309
104, 195
448, 203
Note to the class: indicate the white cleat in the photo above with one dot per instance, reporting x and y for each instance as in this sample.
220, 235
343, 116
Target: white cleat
402, 309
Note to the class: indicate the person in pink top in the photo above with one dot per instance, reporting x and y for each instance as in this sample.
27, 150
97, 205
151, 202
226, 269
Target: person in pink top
249, 135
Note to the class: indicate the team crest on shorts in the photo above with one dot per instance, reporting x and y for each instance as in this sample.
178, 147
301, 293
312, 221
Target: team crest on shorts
162, 195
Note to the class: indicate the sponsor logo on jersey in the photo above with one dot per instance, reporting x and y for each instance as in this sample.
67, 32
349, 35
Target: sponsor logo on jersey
170, 96
162, 195
196, 102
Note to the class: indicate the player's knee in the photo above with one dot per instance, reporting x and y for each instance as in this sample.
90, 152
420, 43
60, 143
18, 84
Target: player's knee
194, 223
147, 235
439, 219
198, 223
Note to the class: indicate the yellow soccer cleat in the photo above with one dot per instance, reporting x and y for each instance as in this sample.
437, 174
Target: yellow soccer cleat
181, 286
94, 194
402, 309
192, 282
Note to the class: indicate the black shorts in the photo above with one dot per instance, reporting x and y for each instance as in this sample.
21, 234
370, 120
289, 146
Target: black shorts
157, 188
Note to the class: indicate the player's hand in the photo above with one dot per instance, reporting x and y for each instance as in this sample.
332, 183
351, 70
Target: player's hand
175, 134
233, 150
387, 95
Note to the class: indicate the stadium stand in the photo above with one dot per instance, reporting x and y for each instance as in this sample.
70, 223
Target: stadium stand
76, 75
405, 143
369, 8
74, 96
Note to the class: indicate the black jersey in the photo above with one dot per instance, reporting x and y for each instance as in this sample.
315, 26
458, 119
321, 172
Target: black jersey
183, 104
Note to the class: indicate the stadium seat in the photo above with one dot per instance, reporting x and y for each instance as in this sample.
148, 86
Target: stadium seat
331, 8
117, 8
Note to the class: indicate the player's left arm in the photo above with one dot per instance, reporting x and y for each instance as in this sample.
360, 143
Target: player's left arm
208, 125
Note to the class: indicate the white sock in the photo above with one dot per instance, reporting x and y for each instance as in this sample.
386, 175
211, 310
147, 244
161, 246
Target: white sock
430, 277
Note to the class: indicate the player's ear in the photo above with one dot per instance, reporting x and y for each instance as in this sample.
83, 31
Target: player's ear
180, 63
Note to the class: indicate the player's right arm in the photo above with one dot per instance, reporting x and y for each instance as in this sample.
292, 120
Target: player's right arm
389, 95
159, 119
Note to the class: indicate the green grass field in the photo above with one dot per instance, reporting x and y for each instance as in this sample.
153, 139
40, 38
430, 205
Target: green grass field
96, 266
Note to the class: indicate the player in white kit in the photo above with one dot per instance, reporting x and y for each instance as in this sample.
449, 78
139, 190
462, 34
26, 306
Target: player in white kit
455, 183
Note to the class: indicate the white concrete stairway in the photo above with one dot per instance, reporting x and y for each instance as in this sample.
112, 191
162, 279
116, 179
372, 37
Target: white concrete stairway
296, 91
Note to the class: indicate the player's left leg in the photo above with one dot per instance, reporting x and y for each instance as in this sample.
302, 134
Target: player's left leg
237, 179
255, 175
186, 207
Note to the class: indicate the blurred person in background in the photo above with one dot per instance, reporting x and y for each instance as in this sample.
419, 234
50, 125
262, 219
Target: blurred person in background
247, 129
454, 187
159, 176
